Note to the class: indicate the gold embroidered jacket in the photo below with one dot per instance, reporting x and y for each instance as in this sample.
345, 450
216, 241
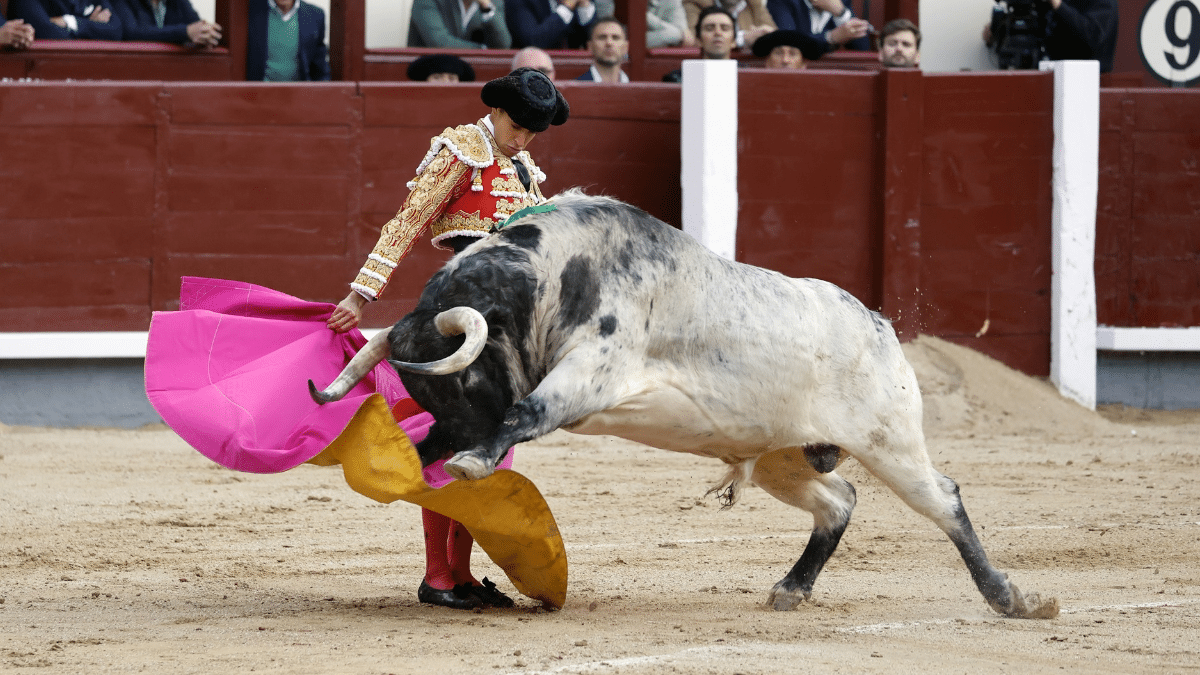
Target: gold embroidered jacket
463, 187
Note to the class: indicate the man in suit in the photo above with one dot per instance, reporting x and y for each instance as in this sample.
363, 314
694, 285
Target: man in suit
829, 21
68, 19
550, 24
174, 21
459, 24
286, 42
609, 45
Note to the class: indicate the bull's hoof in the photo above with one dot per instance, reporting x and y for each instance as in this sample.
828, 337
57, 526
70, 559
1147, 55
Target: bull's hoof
466, 466
785, 599
1030, 606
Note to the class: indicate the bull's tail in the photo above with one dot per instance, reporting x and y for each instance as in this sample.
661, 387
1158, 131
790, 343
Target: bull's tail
454, 321
729, 489
364, 361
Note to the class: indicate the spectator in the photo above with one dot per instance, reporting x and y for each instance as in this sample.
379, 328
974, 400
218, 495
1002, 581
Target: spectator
286, 42
15, 34
609, 45
1078, 30
829, 21
533, 57
174, 21
750, 17
440, 68
550, 24
667, 26
68, 19
459, 24
715, 33
900, 44
788, 49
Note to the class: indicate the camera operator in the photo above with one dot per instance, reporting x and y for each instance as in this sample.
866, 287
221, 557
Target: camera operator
1069, 30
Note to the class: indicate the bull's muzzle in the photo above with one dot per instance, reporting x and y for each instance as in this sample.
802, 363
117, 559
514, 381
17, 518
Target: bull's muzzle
468, 466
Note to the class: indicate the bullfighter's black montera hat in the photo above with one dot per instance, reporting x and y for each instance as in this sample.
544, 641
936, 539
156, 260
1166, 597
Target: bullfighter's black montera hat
529, 98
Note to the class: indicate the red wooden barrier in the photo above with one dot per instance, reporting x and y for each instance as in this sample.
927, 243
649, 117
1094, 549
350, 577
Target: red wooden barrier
117, 190
1148, 216
925, 195
985, 214
97, 59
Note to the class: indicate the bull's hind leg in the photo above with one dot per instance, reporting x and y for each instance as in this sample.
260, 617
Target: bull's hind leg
908, 472
788, 476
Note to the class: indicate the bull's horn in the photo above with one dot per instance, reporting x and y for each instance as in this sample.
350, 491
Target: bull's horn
453, 321
364, 361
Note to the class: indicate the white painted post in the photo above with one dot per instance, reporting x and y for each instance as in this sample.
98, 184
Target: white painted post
708, 151
1073, 227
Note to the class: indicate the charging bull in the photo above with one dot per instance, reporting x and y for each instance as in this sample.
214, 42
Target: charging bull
599, 319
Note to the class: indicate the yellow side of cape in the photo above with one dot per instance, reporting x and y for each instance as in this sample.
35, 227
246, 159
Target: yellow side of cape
504, 512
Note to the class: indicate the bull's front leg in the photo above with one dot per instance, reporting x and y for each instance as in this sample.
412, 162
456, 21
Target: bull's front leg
564, 396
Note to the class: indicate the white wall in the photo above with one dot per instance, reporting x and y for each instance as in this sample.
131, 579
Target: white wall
951, 35
387, 20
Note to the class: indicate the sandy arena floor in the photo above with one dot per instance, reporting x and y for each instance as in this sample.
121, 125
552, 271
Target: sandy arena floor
127, 551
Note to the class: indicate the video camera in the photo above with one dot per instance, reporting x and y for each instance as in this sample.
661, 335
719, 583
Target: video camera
1019, 33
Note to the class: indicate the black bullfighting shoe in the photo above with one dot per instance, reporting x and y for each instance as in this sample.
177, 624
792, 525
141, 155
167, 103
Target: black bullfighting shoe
459, 597
491, 596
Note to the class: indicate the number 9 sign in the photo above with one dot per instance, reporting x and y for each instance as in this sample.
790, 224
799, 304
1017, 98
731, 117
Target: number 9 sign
1169, 40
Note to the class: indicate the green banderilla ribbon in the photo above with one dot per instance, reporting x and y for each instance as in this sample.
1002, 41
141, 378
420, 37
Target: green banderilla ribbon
527, 211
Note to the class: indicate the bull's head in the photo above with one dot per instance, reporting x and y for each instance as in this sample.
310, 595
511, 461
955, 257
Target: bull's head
456, 321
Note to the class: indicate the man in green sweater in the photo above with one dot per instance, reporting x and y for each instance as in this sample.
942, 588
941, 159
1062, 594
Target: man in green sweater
286, 42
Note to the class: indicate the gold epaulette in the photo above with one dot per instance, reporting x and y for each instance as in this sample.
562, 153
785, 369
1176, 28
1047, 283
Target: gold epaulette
468, 143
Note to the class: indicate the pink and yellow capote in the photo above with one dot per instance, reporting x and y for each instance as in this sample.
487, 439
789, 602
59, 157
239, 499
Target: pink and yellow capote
228, 372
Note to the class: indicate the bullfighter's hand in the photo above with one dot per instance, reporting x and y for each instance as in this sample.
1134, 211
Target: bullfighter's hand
101, 15
347, 314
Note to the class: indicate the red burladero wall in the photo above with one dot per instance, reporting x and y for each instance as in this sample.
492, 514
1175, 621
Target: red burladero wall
952, 197
925, 195
116, 190
1148, 216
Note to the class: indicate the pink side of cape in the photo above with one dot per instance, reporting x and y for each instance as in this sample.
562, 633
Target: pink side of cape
229, 373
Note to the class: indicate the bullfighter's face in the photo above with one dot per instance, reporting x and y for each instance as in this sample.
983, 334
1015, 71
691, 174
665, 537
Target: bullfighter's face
510, 136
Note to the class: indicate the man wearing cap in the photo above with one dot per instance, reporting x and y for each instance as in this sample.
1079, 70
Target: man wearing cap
474, 177
789, 49
440, 68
